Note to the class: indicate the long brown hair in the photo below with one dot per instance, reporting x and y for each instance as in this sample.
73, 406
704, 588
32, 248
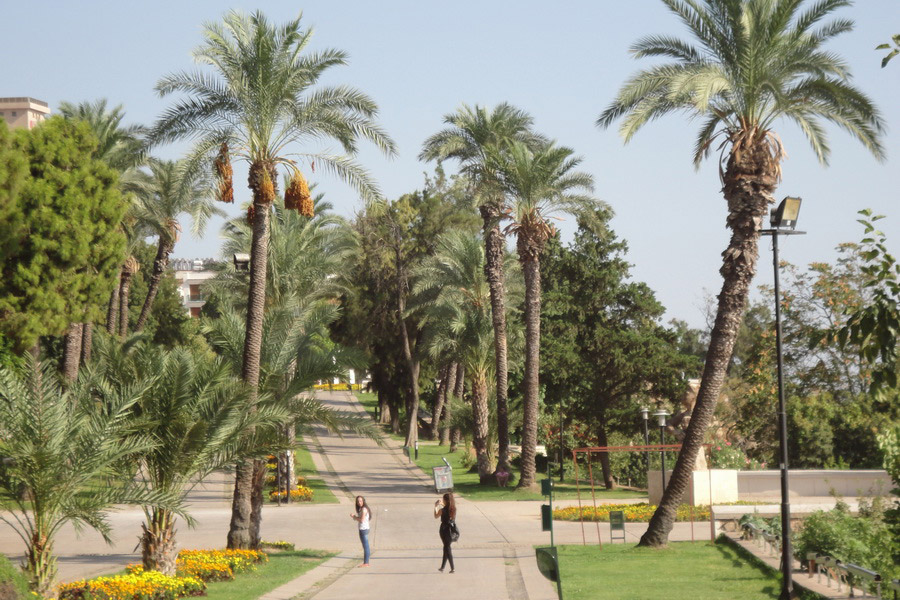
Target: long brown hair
450, 504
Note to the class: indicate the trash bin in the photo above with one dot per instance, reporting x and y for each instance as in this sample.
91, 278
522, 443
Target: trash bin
443, 479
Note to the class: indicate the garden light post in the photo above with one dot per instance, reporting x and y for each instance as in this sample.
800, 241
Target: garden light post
661, 420
783, 219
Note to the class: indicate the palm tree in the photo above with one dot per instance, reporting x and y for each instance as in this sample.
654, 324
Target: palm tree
753, 63
195, 409
471, 136
64, 451
539, 183
121, 147
171, 191
258, 103
451, 289
304, 257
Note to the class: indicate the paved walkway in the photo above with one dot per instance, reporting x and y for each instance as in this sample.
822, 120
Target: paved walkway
494, 558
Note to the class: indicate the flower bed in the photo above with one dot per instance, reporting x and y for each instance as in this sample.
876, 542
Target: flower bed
137, 585
337, 387
217, 565
301, 494
639, 513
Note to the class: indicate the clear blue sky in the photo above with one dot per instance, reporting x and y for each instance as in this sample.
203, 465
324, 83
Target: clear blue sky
561, 61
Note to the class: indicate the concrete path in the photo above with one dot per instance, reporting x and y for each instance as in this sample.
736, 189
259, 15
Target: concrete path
494, 558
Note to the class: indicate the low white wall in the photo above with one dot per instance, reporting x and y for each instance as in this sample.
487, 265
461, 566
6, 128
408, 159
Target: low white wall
763, 485
723, 484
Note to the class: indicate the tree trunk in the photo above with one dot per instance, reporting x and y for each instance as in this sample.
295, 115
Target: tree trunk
124, 292
40, 564
531, 270
602, 440
451, 387
412, 404
480, 431
439, 401
87, 342
459, 392
112, 312
494, 247
239, 530
72, 351
244, 509
163, 249
158, 549
750, 180
257, 498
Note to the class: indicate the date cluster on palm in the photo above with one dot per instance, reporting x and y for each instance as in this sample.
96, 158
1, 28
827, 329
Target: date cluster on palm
225, 175
297, 196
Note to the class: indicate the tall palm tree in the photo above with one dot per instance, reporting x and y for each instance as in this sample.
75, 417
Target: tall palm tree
122, 148
171, 191
752, 63
304, 257
471, 136
539, 182
451, 288
258, 105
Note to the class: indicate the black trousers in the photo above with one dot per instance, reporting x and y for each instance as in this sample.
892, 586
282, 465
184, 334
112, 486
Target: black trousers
448, 553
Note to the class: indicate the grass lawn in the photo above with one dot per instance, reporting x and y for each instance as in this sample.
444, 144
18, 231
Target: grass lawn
467, 485
683, 571
281, 568
321, 493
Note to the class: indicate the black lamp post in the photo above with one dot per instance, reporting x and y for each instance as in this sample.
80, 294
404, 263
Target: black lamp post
661, 421
645, 415
783, 219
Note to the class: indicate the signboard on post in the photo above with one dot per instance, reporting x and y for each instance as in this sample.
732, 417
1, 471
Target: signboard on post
443, 479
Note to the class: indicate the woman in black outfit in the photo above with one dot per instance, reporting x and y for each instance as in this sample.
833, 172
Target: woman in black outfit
445, 509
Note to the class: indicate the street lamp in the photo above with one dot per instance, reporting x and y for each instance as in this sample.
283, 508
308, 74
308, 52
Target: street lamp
661, 420
782, 220
645, 415
241, 262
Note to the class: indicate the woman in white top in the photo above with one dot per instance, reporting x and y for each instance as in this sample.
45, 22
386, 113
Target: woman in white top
362, 515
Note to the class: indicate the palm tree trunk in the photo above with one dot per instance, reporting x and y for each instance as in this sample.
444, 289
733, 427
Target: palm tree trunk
124, 292
494, 247
163, 249
480, 432
112, 312
244, 510
412, 404
531, 269
440, 399
158, 550
40, 564
257, 497
459, 391
87, 342
72, 352
447, 414
750, 180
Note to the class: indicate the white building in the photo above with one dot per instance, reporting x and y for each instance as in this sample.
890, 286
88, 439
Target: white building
190, 274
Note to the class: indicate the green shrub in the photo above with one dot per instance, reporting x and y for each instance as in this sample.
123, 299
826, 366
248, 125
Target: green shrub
13, 585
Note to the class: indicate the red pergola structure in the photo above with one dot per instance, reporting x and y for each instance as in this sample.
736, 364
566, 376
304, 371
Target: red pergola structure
638, 448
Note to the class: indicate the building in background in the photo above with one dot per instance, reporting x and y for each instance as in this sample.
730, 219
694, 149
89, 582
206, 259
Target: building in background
23, 113
190, 274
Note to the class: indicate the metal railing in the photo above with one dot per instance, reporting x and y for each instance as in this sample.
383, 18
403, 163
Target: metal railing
856, 578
